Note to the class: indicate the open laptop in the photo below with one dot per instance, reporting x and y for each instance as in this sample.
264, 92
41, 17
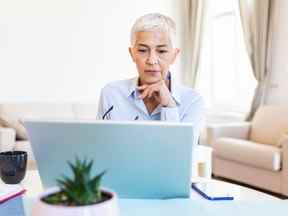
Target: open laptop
142, 159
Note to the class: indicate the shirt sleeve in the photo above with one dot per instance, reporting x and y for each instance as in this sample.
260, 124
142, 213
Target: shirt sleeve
196, 115
195, 112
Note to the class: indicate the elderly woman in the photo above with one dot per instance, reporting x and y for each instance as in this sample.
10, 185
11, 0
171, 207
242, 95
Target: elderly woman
153, 95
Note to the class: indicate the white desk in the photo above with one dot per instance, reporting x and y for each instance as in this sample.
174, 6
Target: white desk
173, 207
33, 185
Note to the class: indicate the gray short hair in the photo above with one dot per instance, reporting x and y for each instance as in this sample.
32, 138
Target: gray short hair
152, 22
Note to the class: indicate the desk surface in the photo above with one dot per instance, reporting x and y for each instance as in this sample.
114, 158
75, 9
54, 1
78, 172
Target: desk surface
33, 185
195, 204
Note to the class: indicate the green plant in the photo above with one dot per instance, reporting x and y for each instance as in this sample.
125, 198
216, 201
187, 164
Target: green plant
81, 189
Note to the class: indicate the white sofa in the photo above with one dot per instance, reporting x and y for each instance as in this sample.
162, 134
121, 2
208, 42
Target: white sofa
254, 153
13, 134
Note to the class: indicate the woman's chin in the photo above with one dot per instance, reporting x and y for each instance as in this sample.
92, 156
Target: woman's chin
150, 80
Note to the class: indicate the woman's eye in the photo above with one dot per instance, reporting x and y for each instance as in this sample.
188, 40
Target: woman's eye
142, 50
162, 51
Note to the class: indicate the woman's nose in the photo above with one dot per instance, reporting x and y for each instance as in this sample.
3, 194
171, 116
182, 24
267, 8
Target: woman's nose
153, 58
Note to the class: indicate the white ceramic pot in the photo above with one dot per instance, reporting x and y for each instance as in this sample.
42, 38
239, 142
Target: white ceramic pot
106, 208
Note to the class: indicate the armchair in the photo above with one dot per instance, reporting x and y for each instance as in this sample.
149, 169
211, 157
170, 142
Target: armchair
256, 152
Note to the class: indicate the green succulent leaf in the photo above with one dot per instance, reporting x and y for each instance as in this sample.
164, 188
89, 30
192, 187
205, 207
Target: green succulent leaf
81, 188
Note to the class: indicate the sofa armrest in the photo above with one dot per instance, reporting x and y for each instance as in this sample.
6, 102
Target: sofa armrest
7, 139
284, 165
232, 130
284, 146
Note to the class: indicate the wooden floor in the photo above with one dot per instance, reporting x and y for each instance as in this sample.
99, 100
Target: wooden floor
280, 196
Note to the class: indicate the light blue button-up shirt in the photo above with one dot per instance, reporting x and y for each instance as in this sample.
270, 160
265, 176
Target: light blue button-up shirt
119, 101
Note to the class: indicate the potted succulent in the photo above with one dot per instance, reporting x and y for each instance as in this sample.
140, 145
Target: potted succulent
79, 195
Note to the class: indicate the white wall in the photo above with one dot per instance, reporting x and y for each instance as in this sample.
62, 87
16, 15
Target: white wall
66, 50
278, 93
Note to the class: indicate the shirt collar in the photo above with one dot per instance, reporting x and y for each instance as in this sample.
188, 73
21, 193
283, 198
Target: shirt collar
132, 89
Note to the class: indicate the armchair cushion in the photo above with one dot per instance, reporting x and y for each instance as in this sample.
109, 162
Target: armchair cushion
269, 124
247, 152
239, 130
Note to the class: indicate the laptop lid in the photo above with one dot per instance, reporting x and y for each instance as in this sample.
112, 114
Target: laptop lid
142, 159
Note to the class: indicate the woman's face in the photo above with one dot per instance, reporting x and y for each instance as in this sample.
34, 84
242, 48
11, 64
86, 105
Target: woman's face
153, 54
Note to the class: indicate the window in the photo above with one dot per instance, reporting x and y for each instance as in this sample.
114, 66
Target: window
225, 78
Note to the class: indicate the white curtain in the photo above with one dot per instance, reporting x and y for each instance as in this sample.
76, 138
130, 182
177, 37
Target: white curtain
256, 19
194, 12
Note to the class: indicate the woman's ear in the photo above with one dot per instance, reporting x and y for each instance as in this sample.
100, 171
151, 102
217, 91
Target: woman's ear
175, 54
131, 53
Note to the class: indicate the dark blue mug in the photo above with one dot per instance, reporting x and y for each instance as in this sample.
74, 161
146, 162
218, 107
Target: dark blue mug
13, 166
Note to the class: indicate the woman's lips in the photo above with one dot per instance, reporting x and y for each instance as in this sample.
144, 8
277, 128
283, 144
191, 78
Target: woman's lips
152, 72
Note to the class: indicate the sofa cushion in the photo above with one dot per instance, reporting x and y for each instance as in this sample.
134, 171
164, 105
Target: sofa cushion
269, 124
12, 114
7, 139
9, 121
40, 110
247, 152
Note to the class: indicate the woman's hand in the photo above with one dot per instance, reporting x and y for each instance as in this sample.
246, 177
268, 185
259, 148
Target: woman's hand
159, 92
